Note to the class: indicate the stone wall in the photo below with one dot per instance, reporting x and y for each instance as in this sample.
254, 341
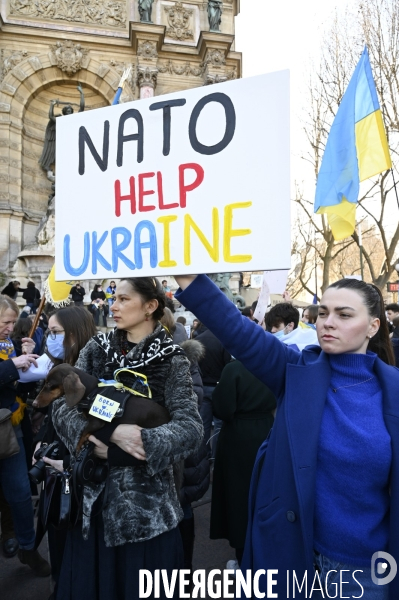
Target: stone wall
48, 47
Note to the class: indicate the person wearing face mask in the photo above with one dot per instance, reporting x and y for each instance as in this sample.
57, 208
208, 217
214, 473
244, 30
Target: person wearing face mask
69, 330
282, 320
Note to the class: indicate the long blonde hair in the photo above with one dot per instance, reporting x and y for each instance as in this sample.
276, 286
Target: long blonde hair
5, 303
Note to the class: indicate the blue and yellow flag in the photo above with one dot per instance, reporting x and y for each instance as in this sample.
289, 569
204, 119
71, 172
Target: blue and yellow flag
356, 149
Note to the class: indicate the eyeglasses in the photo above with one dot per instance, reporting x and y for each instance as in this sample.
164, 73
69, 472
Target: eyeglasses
53, 334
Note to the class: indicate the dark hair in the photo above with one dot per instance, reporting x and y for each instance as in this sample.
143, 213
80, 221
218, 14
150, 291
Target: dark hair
78, 325
164, 281
373, 300
149, 288
393, 307
181, 320
247, 312
283, 312
21, 329
313, 311
170, 304
30, 284
98, 285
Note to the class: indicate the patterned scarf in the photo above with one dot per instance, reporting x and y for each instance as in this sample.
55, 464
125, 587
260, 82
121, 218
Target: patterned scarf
150, 356
7, 349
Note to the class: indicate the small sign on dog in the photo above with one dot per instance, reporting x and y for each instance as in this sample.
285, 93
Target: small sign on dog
104, 408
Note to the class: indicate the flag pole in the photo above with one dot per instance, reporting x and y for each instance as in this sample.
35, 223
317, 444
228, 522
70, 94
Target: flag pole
126, 74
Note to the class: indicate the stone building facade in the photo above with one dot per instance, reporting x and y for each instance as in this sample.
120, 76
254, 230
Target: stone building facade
47, 48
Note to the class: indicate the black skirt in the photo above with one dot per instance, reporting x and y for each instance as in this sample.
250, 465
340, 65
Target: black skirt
91, 571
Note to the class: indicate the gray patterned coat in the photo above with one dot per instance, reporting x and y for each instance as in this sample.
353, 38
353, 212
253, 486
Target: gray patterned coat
142, 501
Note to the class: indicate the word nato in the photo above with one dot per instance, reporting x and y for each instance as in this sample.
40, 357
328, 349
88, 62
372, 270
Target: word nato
135, 115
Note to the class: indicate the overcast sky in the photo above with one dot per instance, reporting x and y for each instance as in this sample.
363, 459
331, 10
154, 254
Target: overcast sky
285, 35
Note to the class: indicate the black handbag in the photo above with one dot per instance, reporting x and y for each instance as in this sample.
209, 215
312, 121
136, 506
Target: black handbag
55, 500
56, 505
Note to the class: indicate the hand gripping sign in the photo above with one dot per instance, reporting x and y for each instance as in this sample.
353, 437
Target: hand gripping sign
195, 181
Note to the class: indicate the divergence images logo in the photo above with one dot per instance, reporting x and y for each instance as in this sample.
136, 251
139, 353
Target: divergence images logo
382, 567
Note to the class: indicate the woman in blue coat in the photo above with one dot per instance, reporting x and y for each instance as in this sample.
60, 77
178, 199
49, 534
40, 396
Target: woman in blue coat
325, 498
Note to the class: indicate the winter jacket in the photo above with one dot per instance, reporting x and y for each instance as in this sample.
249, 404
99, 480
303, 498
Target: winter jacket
8, 378
10, 291
31, 294
142, 501
245, 406
196, 476
282, 497
77, 293
98, 296
215, 359
179, 334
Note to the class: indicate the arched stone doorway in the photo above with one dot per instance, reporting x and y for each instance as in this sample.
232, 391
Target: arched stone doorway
25, 95
36, 187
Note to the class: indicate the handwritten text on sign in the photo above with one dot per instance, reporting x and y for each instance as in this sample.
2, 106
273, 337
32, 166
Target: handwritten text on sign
196, 181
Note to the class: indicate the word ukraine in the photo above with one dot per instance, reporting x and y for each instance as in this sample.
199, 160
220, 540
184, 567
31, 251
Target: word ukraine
127, 245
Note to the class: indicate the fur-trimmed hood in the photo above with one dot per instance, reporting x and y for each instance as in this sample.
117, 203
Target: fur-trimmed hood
194, 350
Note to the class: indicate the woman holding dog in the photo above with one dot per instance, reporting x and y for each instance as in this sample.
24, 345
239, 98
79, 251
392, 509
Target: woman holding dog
69, 330
136, 525
325, 493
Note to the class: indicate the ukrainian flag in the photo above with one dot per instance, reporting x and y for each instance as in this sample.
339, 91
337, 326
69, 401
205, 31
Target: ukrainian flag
356, 149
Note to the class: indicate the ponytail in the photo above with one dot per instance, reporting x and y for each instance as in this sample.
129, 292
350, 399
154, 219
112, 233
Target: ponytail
380, 343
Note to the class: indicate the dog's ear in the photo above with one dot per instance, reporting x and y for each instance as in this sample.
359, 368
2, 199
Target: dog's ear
74, 389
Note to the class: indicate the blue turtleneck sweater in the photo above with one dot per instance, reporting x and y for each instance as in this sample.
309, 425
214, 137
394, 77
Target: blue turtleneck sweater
353, 464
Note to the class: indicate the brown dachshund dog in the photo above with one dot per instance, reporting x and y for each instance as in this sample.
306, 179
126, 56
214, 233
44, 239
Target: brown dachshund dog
75, 385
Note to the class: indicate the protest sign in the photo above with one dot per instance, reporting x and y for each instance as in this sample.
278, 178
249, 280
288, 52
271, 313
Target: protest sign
190, 182
272, 282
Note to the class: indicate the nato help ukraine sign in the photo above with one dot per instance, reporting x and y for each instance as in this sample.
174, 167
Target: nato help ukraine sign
190, 182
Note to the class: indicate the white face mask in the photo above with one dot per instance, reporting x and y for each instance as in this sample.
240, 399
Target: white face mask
56, 347
281, 333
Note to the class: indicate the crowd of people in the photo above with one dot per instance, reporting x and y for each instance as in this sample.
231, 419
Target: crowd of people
294, 420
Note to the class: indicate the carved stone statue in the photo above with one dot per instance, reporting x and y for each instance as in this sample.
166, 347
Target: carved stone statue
222, 281
215, 14
145, 10
47, 159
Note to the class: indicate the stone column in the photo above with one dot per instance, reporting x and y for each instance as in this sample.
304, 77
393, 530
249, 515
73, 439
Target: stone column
214, 49
147, 81
147, 72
